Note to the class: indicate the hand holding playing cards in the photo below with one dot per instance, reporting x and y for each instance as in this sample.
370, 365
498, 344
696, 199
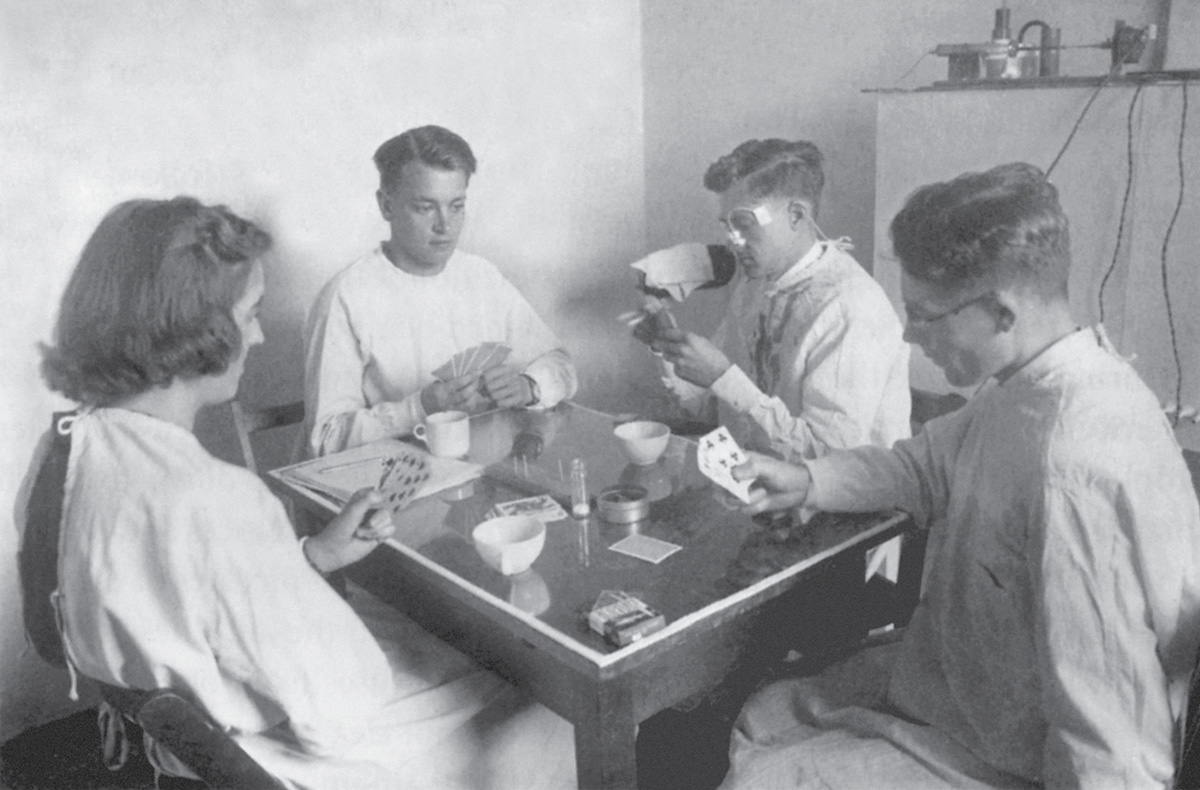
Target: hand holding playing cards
780, 485
460, 393
353, 534
506, 387
695, 358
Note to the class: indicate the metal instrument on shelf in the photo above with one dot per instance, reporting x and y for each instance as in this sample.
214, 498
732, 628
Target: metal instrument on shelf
1004, 57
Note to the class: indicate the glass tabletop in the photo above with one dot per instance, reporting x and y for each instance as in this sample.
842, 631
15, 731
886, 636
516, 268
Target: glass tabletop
527, 453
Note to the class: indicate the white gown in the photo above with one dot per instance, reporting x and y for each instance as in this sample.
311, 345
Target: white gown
818, 361
377, 333
179, 570
1060, 616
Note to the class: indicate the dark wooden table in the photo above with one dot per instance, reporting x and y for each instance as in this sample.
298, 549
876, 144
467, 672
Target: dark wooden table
734, 579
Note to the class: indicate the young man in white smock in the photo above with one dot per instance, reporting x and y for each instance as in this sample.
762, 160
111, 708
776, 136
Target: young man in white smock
1060, 614
381, 328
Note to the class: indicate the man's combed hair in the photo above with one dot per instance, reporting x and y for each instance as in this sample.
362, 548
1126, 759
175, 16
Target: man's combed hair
435, 146
151, 299
1000, 227
773, 168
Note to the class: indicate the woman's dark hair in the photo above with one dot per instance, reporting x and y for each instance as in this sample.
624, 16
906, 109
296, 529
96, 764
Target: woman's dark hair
151, 299
1000, 227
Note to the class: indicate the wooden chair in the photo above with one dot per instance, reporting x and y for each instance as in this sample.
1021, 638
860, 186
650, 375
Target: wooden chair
1187, 762
186, 731
249, 420
181, 727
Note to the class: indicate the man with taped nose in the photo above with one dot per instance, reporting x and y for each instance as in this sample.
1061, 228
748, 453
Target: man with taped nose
810, 355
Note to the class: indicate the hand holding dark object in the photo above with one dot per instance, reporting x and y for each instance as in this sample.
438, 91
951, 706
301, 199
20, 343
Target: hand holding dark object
695, 358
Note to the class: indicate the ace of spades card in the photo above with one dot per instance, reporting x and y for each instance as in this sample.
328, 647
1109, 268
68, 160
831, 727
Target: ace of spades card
716, 455
403, 475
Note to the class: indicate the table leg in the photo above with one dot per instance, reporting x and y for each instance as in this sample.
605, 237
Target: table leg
606, 739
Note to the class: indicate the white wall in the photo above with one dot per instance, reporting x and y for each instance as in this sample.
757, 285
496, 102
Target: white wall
933, 136
718, 72
275, 109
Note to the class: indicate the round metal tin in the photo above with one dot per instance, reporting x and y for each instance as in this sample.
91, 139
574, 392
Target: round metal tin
623, 504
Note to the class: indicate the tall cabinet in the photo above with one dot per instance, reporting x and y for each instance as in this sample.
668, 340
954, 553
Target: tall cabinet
932, 135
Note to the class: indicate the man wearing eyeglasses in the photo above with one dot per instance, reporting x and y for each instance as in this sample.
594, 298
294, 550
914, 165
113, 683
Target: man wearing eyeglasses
810, 354
1060, 615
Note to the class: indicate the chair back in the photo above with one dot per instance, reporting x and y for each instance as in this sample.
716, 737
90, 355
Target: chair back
182, 728
1187, 762
250, 420
186, 731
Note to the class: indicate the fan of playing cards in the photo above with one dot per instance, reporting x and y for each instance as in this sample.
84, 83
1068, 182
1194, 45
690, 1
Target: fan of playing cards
716, 455
402, 476
399, 470
476, 359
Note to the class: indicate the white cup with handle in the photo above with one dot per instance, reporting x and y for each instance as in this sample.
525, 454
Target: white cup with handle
447, 434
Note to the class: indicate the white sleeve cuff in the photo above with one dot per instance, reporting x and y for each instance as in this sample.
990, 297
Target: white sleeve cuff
735, 388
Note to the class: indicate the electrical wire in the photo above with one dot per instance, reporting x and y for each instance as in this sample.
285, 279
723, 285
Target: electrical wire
914, 66
1118, 60
1125, 200
1166, 243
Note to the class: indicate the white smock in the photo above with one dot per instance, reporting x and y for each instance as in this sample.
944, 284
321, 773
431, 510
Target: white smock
376, 334
1060, 616
818, 361
178, 570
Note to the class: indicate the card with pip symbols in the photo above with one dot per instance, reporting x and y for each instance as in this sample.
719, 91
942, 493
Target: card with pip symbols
402, 476
716, 455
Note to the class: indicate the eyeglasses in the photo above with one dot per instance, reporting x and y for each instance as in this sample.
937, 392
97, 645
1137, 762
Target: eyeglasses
929, 320
741, 221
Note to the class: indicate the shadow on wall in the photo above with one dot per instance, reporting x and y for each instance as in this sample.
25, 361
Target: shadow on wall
618, 374
274, 375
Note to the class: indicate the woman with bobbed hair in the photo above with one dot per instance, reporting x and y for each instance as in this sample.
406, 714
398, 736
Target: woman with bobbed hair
177, 569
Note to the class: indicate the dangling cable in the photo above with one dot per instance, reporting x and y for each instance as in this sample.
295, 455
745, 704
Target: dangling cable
1166, 243
1112, 72
1125, 200
914, 66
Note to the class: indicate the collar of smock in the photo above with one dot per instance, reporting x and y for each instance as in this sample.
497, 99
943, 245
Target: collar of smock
383, 263
1070, 347
802, 269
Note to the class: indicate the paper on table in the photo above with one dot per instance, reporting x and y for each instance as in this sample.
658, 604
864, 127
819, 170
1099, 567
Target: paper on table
678, 270
339, 475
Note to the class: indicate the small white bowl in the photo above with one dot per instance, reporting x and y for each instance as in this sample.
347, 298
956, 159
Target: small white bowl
510, 544
643, 442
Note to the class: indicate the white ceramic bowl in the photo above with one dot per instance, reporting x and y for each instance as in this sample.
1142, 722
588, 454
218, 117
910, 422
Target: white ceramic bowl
510, 544
643, 442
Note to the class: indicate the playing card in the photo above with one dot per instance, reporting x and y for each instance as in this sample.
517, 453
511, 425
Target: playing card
645, 548
470, 360
401, 477
493, 354
543, 508
716, 455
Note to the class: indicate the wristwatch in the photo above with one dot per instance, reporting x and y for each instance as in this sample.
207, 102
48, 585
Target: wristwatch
534, 391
